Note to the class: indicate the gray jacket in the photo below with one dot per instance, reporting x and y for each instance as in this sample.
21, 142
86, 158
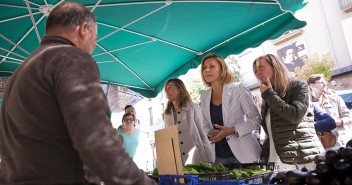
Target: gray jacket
194, 143
293, 130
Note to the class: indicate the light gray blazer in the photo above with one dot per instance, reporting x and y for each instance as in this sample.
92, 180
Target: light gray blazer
238, 111
194, 143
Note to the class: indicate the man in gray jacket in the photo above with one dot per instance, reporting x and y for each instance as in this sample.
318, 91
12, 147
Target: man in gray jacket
55, 116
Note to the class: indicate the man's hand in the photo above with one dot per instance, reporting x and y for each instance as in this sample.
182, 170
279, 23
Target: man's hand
265, 85
217, 135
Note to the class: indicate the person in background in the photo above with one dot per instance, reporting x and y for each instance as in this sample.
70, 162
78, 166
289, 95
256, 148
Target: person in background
333, 105
54, 118
258, 101
135, 141
291, 134
259, 133
130, 109
181, 111
229, 113
323, 122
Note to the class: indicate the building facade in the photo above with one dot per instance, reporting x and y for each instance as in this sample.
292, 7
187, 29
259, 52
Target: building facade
328, 31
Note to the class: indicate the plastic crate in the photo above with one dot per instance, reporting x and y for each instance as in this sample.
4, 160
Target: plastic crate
194, 180
272, 166
260, 184
216, 176
263, 178
221, 182
179, 180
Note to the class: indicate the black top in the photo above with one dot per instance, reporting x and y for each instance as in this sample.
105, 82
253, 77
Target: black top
222, 148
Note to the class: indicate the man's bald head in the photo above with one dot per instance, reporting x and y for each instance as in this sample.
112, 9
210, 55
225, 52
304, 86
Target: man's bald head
66, 16
74, 22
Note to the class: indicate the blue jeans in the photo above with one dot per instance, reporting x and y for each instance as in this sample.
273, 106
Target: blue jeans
228, 160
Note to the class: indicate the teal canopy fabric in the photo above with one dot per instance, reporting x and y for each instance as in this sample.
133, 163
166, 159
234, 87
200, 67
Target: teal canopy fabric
141, 44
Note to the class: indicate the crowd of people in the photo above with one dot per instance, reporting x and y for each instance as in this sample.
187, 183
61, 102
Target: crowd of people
55, 125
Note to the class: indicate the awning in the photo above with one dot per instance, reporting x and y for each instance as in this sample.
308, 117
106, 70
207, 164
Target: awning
141, 44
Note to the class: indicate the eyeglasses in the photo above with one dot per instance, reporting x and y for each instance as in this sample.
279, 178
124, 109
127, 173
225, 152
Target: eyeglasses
321, 82
126, 119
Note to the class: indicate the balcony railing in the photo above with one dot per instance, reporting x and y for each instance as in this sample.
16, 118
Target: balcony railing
345, 5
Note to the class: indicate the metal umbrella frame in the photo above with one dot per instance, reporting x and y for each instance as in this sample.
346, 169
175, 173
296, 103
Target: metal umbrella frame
141, 44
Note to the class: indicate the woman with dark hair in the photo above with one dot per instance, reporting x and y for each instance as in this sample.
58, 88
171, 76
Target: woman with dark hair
134, 141
132, 110
230, 114
181, 111
290, 130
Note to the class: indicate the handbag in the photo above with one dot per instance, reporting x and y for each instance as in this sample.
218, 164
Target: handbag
327, 139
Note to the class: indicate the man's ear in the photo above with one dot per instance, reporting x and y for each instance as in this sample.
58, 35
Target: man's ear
82, 29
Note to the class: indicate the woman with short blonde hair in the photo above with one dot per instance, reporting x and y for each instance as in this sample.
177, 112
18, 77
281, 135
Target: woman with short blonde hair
229, 113
226, 76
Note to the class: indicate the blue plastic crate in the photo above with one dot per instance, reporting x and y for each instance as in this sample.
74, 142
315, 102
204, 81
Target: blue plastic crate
194, 180
263, 178
259, 184
221, 182
179, 180
216, 176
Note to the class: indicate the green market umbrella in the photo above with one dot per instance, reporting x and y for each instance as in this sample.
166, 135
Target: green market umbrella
141, 44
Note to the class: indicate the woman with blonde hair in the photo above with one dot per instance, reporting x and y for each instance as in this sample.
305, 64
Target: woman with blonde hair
290, 130
230, 114
181, 111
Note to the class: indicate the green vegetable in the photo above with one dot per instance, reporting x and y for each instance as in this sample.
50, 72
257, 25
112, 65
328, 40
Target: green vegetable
155, 172
202, 167
239, 173
189, 170
220, 168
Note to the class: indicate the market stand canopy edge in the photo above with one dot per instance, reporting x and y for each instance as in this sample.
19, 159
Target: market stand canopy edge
141, 44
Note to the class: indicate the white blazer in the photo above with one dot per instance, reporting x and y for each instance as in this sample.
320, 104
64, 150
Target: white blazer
238, 111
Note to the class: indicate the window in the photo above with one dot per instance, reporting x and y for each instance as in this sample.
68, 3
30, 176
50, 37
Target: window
347, 29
